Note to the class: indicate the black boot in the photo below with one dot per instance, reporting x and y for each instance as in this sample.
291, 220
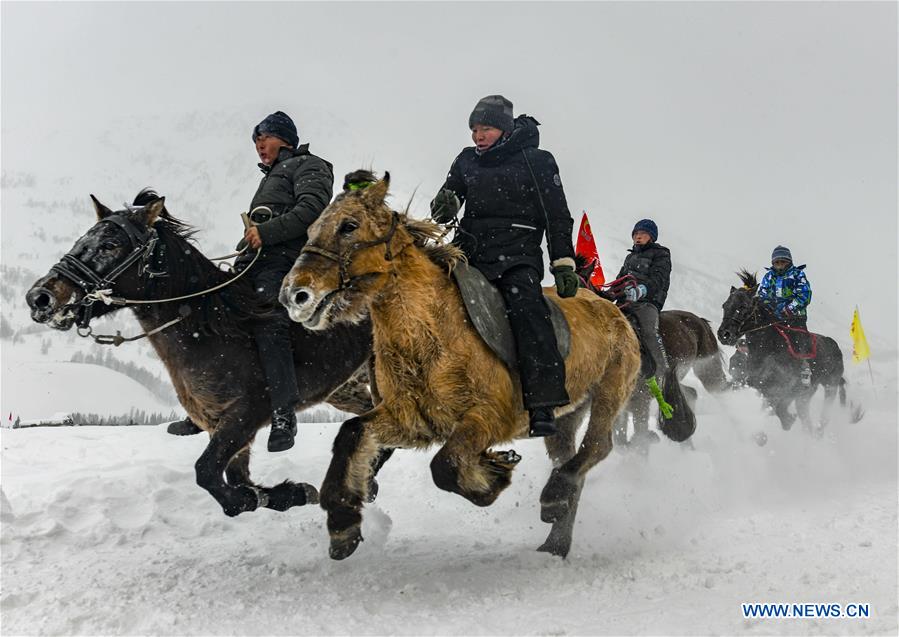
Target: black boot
543, 422
184, 427
284, 429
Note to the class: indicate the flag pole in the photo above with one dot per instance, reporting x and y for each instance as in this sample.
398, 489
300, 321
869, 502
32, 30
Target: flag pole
871, 373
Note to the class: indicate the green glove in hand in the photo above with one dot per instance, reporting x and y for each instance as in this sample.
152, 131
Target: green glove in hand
445, 206
566, 281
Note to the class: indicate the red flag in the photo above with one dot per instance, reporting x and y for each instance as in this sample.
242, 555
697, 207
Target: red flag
586, 247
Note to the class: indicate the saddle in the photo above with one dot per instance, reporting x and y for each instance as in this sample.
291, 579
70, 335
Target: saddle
487, 312
801, 344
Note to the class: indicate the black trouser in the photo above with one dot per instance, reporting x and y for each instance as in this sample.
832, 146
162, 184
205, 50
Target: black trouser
273, 333
647, 316
540, 365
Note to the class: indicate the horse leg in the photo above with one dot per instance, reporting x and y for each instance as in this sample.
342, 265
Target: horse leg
465, 466
345, 489
225, 443
643, 437
560, 497
782, 411
278, 498
830, 394
354, 395
240, 494
238, 470
802, 409
561, 448
619, 430
382, 458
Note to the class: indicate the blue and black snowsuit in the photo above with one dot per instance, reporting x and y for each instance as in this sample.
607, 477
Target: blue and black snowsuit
787, 294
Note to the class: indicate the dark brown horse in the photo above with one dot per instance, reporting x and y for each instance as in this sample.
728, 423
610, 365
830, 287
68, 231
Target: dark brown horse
141, 257
774, 364
690, 343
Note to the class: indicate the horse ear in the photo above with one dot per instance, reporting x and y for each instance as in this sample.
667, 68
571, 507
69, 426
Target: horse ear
152, 211
375, 194
102, 211
732, 289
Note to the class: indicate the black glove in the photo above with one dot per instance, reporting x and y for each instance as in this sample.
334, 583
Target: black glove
566, 281
445, 206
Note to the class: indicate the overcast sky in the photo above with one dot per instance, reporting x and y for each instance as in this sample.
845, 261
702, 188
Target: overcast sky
736, 126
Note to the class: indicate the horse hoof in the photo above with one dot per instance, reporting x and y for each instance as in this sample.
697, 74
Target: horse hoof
344, 543
554, 548
312, 496
372, 491
241, 499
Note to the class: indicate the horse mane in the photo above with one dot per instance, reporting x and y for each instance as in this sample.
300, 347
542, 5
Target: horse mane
182, 229
429, 237
228, 312
749, 279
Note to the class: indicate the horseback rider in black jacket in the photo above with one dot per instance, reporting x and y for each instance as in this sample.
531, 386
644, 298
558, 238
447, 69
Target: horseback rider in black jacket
295, 189
512, 194
650, 265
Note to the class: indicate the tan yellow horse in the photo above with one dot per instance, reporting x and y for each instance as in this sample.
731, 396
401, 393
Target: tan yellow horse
438, 381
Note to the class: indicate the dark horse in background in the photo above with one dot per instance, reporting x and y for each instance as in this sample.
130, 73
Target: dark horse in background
690, 344
142, 256
774, 360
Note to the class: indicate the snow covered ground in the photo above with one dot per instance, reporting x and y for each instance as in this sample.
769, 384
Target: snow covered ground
736, 126
105, 532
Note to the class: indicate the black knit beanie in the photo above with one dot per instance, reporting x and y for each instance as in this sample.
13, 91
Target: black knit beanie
279, 125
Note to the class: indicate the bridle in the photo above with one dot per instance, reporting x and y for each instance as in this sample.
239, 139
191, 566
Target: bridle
343, 257
144, 242
753, 313
99, 288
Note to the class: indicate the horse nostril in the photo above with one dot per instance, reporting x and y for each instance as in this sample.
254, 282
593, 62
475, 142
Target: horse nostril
301, 297
42, 300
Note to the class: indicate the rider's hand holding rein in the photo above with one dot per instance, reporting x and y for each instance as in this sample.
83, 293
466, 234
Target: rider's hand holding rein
251, 236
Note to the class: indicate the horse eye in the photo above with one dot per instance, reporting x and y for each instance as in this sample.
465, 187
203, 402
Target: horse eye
108, 245
348, 227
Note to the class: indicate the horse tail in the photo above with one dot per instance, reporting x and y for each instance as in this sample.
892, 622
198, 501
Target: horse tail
709, 367
842, 392
682, 423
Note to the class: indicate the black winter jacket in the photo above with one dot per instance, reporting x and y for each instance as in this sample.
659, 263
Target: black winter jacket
297, 187
504, 221
650, 264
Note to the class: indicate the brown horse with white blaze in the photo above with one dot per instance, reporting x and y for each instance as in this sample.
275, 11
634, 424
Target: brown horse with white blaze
438, 381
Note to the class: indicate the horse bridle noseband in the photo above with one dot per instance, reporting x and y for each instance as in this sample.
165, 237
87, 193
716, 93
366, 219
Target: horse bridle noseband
343, 257
144, 240
99, 288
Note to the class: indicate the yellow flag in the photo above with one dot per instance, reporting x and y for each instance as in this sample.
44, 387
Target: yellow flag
860, 349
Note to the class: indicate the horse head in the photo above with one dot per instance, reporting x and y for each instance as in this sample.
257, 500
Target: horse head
352, 254
740, 309
109, 258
